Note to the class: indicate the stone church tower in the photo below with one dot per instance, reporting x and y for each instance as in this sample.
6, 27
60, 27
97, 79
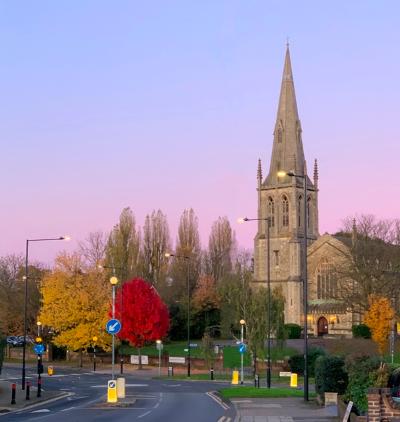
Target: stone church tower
281, 199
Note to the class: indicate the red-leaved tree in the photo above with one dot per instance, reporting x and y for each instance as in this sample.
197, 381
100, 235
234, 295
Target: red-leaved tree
143, 314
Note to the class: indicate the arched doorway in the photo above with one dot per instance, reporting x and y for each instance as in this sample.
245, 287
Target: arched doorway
322, 326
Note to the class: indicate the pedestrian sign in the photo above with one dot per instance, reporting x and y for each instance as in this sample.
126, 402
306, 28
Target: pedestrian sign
113, 326
112, 391
242, 348
39, 348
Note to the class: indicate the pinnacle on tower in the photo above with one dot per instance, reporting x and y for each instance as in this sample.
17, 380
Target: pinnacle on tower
316, 173
259, 171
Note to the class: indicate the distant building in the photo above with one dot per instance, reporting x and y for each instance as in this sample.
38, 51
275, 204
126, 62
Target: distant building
282, 200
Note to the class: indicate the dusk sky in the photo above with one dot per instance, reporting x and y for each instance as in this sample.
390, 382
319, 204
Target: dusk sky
169, 104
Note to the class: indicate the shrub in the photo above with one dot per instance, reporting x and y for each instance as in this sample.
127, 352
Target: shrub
296, 362
361, 331
362, 371
293, 331
330, 375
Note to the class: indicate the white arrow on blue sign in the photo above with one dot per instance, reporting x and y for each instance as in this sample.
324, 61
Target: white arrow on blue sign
113, 326
242, 348
39, 349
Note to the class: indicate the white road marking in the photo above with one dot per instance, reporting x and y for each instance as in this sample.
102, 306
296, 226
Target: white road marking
41, 411
126, 385
144, 414
217, 400
68, 408
241, 401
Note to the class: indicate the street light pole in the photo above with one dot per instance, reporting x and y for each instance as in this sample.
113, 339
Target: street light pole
26, 299
268, 220
159, 347
187, 258
114, 282
305, 281
242, 322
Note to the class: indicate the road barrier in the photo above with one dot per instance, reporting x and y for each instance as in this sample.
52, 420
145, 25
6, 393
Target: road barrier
39, 387
121, 388
235, 377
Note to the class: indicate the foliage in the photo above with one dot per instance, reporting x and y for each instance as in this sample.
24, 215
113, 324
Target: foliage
75, 304
379, 318
122, 250
143, 315
178, 322
176, 348
232, 392
361, 331
293, 331
156, 243
296, 362
330, 375
207, 347
361, 372
2, 348
231, 357
206, 303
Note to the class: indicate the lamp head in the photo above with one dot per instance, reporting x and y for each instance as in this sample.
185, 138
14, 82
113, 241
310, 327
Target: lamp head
95, 338
38, 323
242, 322
158, 341
66, 238
114, 280
281, 173
241, 220
168, 255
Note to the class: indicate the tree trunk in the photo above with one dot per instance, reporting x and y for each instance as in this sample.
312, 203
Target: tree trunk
140, 358
254, 363
81, 358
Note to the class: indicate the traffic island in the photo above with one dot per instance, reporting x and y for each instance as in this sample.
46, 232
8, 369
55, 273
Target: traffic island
128, 401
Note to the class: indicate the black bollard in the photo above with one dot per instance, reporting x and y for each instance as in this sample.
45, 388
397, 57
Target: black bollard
28, 390
257, 381
39, 387
212, 373
122, 365
13, 390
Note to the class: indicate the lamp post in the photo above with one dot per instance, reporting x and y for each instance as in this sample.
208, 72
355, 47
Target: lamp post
159, 347
305, 287
187, 258
114, 282
26, 299
268, 220
94, 352
242, 323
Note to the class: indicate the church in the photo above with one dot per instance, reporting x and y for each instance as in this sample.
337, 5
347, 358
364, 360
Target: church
281, 205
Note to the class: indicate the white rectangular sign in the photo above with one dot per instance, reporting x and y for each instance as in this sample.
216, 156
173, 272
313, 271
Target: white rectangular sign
135, 359
285, 374
176, 359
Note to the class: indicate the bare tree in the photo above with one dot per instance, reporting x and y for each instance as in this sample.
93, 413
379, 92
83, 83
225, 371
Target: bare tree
93, 248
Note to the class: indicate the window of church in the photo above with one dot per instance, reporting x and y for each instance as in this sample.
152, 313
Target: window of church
276, 256
285, 212
326, 281
271, 211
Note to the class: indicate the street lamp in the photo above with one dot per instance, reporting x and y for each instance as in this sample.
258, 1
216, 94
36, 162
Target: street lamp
242, 323
187, 258
159, 347
305, 287
94, 352
268, 220
26, 299
114, 282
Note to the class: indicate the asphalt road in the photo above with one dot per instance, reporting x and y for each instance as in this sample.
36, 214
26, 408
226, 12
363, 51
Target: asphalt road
156, 400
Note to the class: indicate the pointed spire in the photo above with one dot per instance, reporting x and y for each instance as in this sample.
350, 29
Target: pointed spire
354, 233
287, 148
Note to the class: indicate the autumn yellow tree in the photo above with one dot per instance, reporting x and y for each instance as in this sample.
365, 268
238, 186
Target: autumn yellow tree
379, 318
76, 304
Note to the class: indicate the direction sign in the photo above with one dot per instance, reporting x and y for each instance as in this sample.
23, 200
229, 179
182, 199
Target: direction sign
193, 345
242, 348
113, 326
39, 349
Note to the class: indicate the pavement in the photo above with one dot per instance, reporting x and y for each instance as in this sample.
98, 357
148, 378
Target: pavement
292, 409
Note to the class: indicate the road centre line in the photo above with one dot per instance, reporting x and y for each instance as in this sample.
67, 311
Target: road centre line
144, 414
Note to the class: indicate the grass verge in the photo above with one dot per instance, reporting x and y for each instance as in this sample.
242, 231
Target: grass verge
253, 392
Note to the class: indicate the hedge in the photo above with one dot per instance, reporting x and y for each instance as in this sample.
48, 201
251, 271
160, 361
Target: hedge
330, 375
293, 331
296, 362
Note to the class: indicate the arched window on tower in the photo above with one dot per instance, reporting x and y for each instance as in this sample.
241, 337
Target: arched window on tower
299, 206
271, 211
285, 211
309, 211
326, 281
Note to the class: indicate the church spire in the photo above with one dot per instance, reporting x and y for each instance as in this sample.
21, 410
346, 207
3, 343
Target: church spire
287, 151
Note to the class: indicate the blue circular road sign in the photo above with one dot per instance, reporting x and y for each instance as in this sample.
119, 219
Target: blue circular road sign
242, 348
113, 326
39, 349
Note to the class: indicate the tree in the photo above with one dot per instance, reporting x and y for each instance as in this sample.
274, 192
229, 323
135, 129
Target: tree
373, 263
187, 244
220, 247
122, 251
156, 242
75, 304
143, 314
93, 248
206, 304
379, 318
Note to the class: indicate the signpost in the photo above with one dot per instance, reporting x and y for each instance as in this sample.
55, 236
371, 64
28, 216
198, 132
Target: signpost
112, 391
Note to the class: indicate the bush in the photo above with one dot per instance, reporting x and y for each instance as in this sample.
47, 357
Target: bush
296, 362
3, 344
362, 371
292, 331
330, 375
361, 331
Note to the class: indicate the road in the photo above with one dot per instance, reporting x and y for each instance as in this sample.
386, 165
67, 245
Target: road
156, 400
